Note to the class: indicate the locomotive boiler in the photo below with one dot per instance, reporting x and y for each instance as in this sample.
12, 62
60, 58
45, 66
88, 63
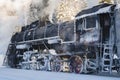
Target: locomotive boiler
89, 43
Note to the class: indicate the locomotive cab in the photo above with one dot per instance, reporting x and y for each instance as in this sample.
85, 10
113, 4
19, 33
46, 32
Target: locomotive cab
96, 29
88, 29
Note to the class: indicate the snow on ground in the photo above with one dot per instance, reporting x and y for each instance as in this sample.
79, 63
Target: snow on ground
19, 74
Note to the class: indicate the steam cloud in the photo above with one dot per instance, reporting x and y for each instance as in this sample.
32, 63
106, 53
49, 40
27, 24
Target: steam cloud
41, 9
16, 13
8, 21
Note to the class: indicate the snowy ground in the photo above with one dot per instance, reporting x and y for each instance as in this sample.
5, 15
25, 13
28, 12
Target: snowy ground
18, 74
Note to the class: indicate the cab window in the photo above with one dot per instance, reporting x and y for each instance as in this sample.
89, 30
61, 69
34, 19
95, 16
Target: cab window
79, 24
90, 22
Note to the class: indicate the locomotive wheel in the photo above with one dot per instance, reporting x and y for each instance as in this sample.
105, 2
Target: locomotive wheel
33, 64
56, 65
58, 68
76, 64
79, 68
25, 66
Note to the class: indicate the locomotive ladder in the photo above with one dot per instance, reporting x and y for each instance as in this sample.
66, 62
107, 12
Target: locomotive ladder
107, 58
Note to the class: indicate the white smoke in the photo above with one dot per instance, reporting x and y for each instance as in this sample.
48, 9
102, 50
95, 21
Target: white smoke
10, 17
16, 13
40, 9
8, 21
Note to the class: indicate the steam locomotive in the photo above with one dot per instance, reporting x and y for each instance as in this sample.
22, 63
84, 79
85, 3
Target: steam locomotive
89, 43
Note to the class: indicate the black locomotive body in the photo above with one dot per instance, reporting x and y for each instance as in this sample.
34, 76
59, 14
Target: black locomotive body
87, 43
